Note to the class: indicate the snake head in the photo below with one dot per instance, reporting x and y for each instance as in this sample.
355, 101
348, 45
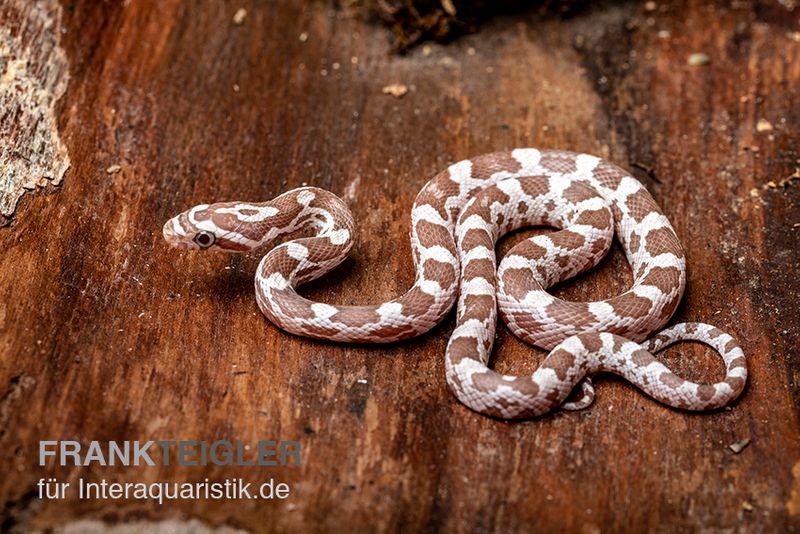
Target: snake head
209, 227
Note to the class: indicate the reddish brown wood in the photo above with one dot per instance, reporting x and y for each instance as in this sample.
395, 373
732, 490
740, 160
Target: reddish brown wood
106, 333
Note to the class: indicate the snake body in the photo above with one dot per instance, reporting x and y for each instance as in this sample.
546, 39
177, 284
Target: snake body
456, 219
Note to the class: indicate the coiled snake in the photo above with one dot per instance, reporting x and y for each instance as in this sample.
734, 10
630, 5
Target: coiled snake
456, 220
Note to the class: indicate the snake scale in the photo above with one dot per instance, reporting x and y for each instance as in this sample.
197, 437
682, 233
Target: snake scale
456, 220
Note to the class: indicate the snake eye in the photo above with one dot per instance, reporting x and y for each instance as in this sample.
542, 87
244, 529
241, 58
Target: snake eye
204, 239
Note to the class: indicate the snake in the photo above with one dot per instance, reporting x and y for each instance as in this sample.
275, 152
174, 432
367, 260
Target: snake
457, 219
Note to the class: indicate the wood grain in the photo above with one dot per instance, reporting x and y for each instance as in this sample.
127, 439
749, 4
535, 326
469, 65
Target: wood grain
107, 334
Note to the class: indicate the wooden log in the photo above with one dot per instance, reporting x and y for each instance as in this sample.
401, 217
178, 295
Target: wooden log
108, 334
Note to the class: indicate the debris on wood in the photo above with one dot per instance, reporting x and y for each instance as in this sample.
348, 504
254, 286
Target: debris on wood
113, 169
397, 90
764, 125
772, 184
416, 21
303, 37
746, 506
698, 59
791, 178
239, 16
739, 446
449, 8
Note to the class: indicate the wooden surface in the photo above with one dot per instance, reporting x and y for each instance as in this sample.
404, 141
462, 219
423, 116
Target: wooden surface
107, 334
